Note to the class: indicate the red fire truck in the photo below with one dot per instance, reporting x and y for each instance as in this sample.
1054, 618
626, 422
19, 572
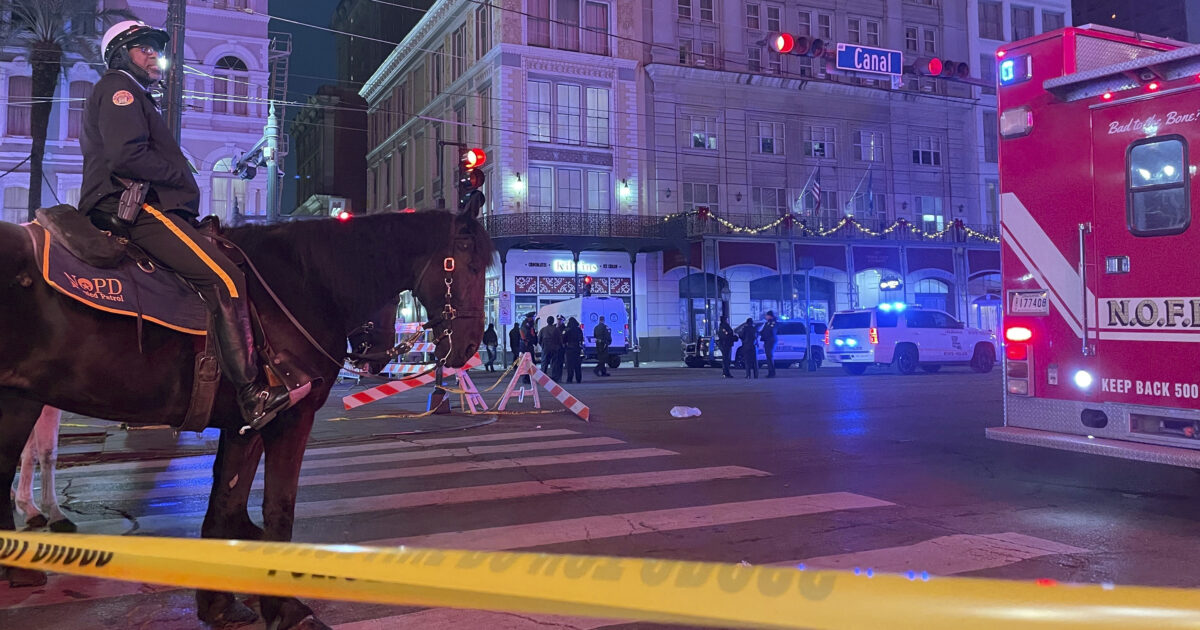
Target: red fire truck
1100, 138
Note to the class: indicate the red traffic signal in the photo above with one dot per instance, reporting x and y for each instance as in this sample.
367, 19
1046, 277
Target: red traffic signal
473, 158
344, 216
944, 68
784, 43
587, 279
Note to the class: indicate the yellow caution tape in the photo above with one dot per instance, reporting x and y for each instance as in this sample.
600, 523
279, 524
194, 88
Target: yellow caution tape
693, 593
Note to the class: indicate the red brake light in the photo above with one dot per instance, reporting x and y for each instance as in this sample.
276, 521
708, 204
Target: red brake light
1016, 351
1107, 96
343, 216
1018, 333
827, 336
874, 334
1152, 86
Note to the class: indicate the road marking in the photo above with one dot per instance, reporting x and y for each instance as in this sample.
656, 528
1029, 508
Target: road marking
452, 619
501, 491
201, 486
85, 483
594, 527
947, 555
205, 461
61, 589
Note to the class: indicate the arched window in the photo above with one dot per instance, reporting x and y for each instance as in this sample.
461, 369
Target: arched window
80, 91
20, 103
228, 192
231, 85
932, 293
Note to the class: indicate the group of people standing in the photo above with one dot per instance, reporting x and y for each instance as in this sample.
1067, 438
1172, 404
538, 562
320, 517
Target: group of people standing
750, 335
561, 342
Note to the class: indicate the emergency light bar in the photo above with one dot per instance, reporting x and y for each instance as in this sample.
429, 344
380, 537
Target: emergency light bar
1014, 70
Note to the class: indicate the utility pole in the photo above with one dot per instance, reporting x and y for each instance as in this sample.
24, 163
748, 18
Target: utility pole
271, 155
176, 10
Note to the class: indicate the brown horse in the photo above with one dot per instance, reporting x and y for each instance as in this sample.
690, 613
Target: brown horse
331, 275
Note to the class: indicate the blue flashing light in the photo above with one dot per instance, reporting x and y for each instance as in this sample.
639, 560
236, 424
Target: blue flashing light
870, 572
925, 576
899, 306
912, 575
857, 571
852, 342
885, 307
1015, 70
839, 342
800, 566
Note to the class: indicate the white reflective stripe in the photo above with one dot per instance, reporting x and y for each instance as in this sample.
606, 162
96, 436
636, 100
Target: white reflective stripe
947, 555
453, 619
1175, 337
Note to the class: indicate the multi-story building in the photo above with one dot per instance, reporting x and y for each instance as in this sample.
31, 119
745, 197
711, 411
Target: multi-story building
1174, 19
678, 159
226, 74
329, 140
371, 25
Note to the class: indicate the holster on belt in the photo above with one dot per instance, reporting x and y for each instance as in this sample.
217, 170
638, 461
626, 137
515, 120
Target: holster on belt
132, 199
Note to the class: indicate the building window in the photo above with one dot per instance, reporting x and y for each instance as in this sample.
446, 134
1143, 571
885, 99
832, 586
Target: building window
702, 132
869, 205
928, 151
231, 83
401, 180
991, 20
695, 195
754, 59
595, 33
753, 17
538, 23
485, 117
819, 141
708, 54
873, 30
992, 201
854, 30
229, 197
768, 137
768, 203
483, 29
991, 137
684, 9
774, 18
386, 193
599, 191
539, 111
707, 14
20, 104
568, 119
929, 40
825, 26
804, 26
435, 72
1022, 23
458, 51
868, 145
566, 24
460, 123
569, 191
80, 91
911, 35
928, 212
1052, 20
16, 204
597, 117
541, 189
987, 72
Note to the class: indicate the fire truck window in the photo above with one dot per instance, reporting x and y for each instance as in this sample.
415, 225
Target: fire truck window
1158, 195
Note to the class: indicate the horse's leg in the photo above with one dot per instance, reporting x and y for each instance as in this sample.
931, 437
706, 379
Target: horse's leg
46, 434
285, 444
24, 497
227, 517
17, 417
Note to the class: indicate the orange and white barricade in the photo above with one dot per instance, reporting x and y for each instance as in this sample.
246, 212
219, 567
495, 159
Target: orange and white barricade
392, 388
527, 368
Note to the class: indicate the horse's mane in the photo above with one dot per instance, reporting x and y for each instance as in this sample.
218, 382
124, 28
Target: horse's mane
378, 245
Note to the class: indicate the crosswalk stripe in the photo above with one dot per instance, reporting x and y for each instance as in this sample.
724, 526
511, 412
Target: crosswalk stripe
84, 482
501, 491
205, 461
594, 527
947, 555
454, 619
201, 486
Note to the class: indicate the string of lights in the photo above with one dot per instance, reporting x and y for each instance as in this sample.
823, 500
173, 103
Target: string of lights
799, 222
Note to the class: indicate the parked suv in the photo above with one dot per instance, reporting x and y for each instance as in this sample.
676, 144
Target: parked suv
789, 347
906, 338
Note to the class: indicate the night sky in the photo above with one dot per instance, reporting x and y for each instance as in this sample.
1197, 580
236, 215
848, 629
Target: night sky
313, 63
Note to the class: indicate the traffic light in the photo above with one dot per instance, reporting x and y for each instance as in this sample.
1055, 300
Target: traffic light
344, 216
470, 198
943, 68
587, 286
787, 44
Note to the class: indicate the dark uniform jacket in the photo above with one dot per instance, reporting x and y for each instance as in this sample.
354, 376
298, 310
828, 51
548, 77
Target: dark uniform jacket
725, 337
602, 336
767, 334
125, 135
573, 338
550, 338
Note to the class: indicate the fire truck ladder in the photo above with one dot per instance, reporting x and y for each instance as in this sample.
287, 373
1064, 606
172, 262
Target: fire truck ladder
1127, 75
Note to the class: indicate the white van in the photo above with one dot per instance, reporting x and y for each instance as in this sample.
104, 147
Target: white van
588, 311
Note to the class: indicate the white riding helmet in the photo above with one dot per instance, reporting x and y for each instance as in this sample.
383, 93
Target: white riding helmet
124, 33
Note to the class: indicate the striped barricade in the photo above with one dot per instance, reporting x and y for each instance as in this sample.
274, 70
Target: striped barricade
392, 388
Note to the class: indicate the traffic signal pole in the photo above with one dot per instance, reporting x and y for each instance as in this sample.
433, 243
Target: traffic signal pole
176, 14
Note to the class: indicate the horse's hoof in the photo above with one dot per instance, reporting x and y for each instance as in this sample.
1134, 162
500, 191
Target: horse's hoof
63, 526
36, 522
25, 578
223, 611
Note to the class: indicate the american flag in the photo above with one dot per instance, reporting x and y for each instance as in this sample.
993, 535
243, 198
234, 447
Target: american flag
816, 191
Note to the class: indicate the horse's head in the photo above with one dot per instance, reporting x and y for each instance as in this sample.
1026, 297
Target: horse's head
451, 287
370, 342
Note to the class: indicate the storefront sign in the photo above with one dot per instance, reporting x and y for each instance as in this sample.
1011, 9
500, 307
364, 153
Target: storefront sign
504, 303
568, 266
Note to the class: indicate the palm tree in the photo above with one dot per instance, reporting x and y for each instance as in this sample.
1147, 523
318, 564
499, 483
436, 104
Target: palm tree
49, 30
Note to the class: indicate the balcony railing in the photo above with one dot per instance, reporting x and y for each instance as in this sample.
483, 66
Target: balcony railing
836, 228
593, 224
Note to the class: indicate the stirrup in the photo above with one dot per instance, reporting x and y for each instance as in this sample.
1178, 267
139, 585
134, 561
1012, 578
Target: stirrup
267, 414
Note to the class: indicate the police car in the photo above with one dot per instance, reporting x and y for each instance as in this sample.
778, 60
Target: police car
907, 338
789, 347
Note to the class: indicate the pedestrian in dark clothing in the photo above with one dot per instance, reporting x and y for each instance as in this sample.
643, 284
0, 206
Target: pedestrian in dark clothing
561, 358
725, 339
573, 350
551, 340
767, 334
514, 343
490, 341
529, 341
603, 339
749, 336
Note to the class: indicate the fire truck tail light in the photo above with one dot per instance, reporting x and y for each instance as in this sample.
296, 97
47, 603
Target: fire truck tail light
1016, 351
1083, 379
1018, 333
1016, 122
1107, 96
1017, 369
1152, 86
1018, 387
874, 335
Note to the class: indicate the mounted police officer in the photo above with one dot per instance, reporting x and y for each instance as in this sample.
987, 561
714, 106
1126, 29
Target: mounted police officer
134, 169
